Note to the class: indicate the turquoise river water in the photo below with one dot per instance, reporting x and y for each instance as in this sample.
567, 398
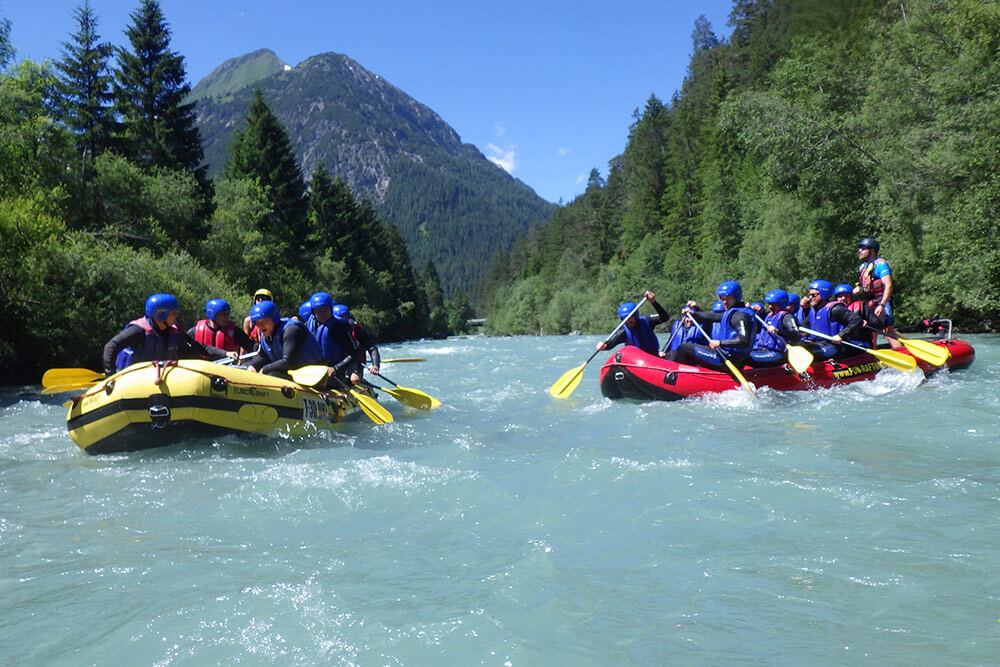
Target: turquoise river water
854, 525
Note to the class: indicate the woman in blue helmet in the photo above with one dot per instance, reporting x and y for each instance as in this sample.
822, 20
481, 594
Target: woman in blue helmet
219, 330
684, 331
285, 343
733, 330
832, 318
779, 329
638, 329
155, 337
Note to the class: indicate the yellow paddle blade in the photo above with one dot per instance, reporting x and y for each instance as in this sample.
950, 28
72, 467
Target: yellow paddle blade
898, 360
60, 388
371, 408
412, 397
399, 361
799, 358
937, 355
308, 376
67, 376
569, 381
739, 377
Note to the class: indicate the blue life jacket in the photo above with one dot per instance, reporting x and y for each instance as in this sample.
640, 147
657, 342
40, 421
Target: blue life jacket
332, 351
723, 330
642, 336
155, 347
685, 335
819, 320
769, 341
308, 353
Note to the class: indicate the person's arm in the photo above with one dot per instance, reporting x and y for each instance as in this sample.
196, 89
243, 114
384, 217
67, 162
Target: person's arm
852, 322
131, 336
614, 341
192, 349
789, 328
886, 294
661, 314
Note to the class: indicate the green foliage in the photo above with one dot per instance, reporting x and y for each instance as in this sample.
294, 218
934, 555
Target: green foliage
158, 126
816, 124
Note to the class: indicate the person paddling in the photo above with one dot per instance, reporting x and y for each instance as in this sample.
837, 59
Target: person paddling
638, 329
733, 331
684, 331
285, 344
779, 329
155, 337
218, 329
832, 318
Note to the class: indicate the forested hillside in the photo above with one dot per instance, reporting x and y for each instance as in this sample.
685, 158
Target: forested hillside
104, 200
452, 206
816, 123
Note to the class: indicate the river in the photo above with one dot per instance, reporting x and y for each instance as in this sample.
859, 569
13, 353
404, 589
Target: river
843, 526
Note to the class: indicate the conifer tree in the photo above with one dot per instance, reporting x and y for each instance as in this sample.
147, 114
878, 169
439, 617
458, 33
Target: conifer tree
85, 87
6, 50
158, 129
262, 150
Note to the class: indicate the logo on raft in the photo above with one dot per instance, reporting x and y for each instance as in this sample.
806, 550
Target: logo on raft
872, 367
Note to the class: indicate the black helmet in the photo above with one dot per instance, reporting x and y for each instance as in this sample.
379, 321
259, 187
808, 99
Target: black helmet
870, 243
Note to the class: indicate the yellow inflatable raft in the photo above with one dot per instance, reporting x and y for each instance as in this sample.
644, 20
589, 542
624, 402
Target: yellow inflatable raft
152, 404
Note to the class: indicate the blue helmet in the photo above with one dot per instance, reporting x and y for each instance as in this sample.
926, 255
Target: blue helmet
717, 307
215, 306
778, 297
320, 299
730, 288
305, 310
265, 309
757, 305
625, 309
824, 287
341, 312
159, 306
842, 288
793, 301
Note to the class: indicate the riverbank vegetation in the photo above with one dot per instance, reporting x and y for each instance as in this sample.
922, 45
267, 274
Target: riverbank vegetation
815, 124
104, 200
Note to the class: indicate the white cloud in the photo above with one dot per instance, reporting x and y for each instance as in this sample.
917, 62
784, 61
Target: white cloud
563, 151
502, 157
582, 178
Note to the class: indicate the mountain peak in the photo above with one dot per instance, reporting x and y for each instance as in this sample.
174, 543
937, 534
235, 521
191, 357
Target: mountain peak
238, 73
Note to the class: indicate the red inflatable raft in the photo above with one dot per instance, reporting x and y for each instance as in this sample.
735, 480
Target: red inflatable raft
632, 373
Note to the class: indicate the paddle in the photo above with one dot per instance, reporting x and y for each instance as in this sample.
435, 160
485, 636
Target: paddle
569, 380
57, 380
227, 361
903, 362
732, 368
412, 397
311, 375
937, 355
399, 361
799, 358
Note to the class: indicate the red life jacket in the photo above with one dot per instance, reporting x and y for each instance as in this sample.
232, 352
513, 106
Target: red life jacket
870, 285
223, 338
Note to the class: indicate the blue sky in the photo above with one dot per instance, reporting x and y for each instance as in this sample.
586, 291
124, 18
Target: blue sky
545, 88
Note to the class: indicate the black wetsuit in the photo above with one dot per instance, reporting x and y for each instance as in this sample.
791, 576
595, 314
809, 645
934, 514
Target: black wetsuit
133, 336
702, 355
654, 320
292, 338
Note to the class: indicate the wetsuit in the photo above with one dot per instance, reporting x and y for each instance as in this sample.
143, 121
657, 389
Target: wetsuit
290, 347
735, 329
770, 348
834, 318
646, 339
134, 336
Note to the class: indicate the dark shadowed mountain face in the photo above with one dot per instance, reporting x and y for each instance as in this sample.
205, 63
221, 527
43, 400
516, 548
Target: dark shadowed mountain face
450, 203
